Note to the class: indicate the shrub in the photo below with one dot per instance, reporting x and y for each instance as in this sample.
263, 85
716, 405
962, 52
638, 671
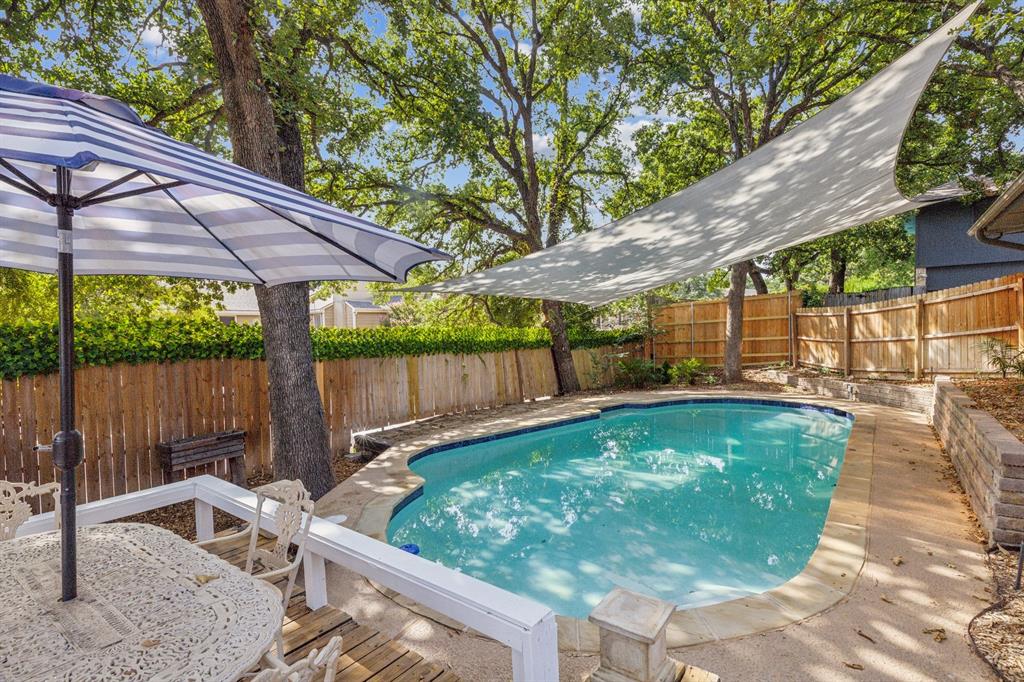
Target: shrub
638, 373
31, 347
687, 371
1002, 356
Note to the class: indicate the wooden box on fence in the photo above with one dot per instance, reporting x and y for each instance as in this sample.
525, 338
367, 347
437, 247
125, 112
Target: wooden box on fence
186, 453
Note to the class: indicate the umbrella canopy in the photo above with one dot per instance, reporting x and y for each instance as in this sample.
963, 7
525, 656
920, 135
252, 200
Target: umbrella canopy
148, 204
830, 173
85, 185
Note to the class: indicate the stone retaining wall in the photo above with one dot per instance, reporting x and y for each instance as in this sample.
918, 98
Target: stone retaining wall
989, 461
916, 398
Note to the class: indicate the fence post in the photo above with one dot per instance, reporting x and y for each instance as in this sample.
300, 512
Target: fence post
1020, 312
847, 343
314, 578
204, 520
537, 660
919, 338
318, 369
794, 355
693, 329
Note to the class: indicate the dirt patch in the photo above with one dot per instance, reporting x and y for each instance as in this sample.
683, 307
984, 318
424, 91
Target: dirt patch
181, 518
1002, 398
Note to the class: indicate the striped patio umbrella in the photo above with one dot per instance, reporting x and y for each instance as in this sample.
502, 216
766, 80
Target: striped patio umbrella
87, 187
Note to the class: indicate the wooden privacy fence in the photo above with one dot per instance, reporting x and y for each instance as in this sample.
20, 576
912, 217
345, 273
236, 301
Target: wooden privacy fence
916, 336
125, 410
696, 329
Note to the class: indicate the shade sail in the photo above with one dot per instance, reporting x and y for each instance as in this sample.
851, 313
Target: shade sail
179, 211
832, 172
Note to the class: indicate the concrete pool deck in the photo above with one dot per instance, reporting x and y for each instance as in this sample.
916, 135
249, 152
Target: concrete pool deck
890, 485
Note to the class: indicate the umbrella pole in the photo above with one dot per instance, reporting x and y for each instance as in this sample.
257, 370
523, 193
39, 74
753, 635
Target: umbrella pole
67, 445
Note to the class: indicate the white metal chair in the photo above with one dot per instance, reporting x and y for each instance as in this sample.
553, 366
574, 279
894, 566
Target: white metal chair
326, 661
15, 510
292, 501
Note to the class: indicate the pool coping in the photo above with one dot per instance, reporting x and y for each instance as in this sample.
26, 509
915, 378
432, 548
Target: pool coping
828, 578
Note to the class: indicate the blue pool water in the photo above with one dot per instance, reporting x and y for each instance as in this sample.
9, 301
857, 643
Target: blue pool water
694, 503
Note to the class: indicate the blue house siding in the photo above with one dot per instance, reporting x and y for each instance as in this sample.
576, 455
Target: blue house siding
950, 257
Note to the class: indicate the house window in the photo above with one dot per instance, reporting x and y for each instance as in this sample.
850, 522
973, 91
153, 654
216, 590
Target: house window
316, 320
226, 319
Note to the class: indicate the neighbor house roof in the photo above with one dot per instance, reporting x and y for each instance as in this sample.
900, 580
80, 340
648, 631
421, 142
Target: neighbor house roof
364, 305
830, 173
1005, 215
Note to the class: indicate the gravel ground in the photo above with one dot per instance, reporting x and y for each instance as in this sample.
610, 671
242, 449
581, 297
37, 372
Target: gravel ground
181, 518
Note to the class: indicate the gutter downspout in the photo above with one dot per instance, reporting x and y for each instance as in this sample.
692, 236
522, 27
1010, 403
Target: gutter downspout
985, 239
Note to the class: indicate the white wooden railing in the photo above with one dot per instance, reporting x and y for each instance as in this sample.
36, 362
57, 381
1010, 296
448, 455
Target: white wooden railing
525, 626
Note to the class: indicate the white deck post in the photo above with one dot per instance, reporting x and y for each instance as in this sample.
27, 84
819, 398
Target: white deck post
537, 661
204, 520
314, 577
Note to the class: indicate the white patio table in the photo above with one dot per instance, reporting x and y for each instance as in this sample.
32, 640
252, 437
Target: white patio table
151, 606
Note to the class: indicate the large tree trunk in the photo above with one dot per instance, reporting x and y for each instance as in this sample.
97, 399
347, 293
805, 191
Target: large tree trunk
837, 272
565, 368
299, 435
757, 279
734, 322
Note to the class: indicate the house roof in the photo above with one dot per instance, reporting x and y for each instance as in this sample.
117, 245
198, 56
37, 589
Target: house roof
363, 306
241, 302
1005, 215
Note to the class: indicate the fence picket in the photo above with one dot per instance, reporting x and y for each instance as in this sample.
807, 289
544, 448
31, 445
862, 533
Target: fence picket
124, 410
919, 336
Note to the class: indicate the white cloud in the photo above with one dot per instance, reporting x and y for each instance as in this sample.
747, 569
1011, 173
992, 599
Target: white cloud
152, 37
156, 42
542, 145
627, 129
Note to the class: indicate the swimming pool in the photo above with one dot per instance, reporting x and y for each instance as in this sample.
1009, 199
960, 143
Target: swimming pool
694, 502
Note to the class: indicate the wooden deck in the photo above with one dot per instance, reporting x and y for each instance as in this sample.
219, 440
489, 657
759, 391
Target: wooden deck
367, 655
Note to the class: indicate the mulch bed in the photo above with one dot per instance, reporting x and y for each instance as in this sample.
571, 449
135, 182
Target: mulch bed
1001, 398
822, 374
997, 633
181, 518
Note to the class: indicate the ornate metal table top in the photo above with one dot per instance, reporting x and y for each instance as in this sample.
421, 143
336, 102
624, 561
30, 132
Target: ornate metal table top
151, 606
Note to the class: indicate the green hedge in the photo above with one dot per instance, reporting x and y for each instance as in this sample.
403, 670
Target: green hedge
31, 348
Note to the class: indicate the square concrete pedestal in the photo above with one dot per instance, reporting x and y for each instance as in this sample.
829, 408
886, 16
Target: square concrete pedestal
633, 639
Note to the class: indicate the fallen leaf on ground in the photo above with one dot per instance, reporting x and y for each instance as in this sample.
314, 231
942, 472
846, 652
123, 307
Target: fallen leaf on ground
897, 560
938, 634
861, 633
887, 600
150, 643
855, 666
203, 579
